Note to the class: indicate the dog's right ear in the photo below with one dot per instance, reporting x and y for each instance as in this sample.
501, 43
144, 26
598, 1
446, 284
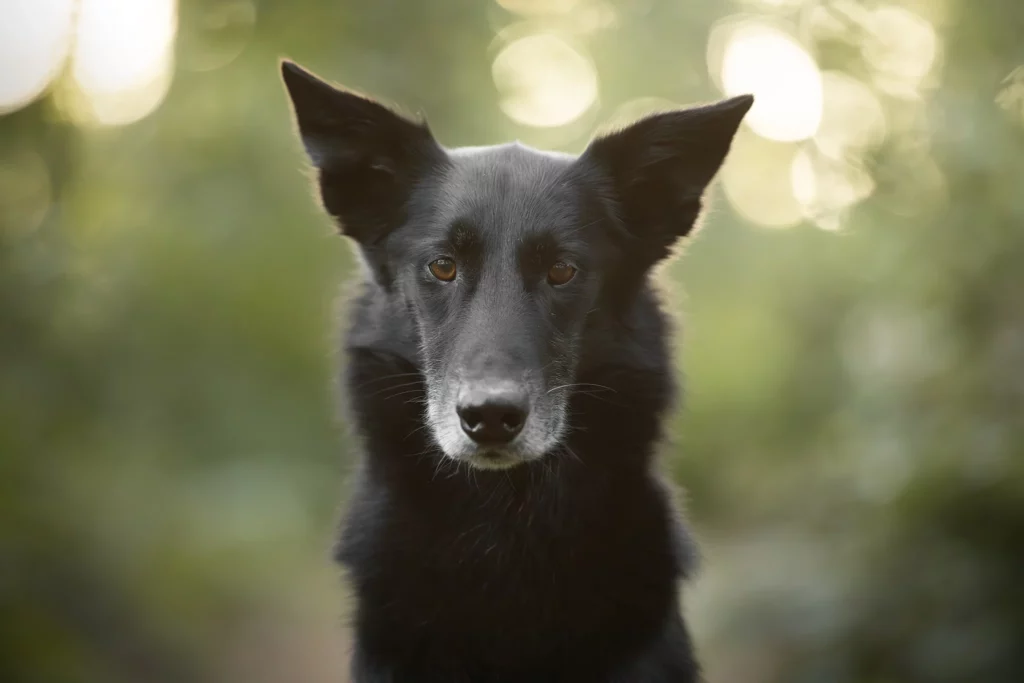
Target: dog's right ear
660, 167
367, 156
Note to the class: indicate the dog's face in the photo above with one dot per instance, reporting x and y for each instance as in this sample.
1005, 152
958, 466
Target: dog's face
504, 255
499, 274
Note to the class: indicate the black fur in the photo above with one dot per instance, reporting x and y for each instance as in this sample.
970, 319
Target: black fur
564, 563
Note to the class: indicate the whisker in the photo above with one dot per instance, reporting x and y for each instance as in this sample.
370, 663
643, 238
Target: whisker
578, 385
416, 429
603, 399
441, 464
396, 386
384, 378
405, 392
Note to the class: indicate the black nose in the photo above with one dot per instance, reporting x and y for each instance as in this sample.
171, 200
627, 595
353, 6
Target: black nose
493, 415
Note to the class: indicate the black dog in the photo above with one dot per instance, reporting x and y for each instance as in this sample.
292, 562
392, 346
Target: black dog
508, 371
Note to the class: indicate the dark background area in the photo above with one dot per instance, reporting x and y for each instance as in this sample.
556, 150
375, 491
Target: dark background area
852, 443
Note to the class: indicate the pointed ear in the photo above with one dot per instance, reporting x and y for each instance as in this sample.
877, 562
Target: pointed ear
367, 157
660, 166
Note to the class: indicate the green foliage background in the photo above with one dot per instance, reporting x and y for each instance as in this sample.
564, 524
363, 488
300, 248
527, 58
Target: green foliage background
170, 462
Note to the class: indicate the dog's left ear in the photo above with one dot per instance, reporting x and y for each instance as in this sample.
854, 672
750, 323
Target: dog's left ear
367, 156
660, 166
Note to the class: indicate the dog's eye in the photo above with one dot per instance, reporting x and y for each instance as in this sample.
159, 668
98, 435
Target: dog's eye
561, 273
443, 269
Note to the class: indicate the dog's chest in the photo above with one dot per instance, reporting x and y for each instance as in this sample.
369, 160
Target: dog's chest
524, 581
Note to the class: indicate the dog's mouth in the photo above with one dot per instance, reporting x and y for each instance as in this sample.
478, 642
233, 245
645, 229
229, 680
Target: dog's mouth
495, 459
497, 432
528, 447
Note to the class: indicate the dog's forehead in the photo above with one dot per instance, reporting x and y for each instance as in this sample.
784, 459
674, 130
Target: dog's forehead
508, 184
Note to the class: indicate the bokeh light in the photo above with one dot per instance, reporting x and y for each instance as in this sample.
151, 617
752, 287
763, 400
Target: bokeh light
776, 4
853, 118
1011, 97
779, 72
757, 181
901, 47
594, 16
34, 40
826, 187
539, 7
123, 59
214, 33
543, 81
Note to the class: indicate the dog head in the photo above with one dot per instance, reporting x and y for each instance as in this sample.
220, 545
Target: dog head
503, 256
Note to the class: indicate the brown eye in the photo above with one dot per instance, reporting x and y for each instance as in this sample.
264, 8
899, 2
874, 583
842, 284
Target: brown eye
561, 273
443, 269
